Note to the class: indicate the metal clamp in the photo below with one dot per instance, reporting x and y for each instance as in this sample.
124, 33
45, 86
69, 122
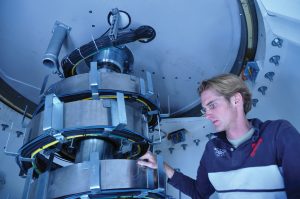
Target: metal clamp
53, 114
166, 115
94, 80
159, 132
113, 32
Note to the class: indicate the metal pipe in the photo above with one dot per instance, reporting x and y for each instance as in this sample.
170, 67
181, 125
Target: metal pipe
60, 31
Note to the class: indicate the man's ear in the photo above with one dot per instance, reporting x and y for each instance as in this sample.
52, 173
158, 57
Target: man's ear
236, 99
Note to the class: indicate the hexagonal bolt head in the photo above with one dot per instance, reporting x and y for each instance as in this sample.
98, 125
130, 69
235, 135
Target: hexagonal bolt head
269, 76
277, 42
171, 149
197, 141
157, 152
262, 89
275, 60
184, 146
254, 102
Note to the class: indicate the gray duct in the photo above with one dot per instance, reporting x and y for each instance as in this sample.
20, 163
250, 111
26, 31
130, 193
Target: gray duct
60, 31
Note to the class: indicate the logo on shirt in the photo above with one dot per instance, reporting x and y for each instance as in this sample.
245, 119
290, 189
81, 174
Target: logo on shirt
255, 147
219, 152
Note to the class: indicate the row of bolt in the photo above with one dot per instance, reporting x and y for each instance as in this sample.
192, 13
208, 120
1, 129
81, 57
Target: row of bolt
171, 149
5, 126
277, 42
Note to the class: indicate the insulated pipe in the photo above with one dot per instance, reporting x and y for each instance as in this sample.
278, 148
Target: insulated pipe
60, 31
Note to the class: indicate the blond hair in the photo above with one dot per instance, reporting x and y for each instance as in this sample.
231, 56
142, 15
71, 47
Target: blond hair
227, 85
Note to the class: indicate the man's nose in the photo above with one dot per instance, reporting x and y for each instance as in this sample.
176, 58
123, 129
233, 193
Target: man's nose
208, 115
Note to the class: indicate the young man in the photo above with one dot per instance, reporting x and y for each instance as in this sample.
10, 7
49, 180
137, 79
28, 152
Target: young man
247, 158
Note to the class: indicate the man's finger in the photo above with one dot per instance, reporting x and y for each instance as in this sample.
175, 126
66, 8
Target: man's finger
147, 156
147, 164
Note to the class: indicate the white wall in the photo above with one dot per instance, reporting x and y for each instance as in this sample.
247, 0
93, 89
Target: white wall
186, 160
13, 187
282, 99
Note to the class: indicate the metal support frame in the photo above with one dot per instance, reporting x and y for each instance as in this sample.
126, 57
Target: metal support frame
27, 187
142, 86
42, 186
53, 115
150, 178
94, 80
95, 171
159, 132
161, 176
9, 153
121, 111
165, 115
150, 90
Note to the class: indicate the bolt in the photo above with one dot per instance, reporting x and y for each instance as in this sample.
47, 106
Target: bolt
277, 42
19, 133
171, 149
157, 152
184, 146
196, 141
254, 102
4, 126
209, 136
263, 89
270, 76
275, 60
71, 147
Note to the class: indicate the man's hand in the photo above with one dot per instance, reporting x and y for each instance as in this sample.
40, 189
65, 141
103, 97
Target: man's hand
148, 160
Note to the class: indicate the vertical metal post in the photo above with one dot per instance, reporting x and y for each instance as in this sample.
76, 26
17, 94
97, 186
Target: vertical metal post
95, 174
94, 81
27, 187
150, 178
161, 176
53, 114
42, 186
142, 86
121, 111
150, 91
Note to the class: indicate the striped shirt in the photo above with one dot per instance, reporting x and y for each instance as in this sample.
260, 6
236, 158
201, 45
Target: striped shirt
267, 166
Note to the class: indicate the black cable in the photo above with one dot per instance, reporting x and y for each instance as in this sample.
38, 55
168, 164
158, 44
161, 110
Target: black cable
143, 33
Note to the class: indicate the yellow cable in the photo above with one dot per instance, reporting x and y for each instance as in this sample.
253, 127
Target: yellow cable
73, 68
44, 147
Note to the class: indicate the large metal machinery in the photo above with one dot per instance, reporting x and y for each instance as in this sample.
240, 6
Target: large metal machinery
91, 126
